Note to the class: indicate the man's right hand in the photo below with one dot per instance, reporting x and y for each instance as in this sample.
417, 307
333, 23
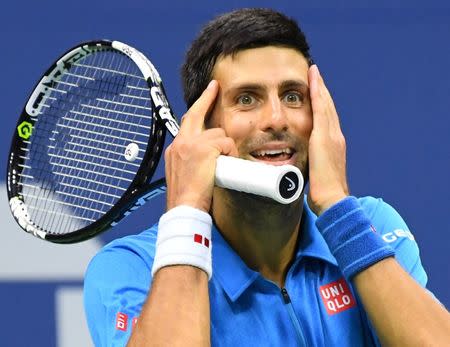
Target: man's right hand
191, 158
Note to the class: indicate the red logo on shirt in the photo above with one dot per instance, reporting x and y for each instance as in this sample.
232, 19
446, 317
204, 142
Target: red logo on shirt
121, 321
337, 296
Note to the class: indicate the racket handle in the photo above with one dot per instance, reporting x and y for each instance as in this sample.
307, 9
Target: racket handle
281, 183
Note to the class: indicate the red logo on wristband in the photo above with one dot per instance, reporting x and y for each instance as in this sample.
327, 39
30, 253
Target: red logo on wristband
337, 296
201, 240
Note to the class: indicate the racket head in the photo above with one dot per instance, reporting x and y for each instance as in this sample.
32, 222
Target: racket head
87, 142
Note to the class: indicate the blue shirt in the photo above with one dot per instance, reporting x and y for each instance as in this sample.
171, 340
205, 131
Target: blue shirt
317, 307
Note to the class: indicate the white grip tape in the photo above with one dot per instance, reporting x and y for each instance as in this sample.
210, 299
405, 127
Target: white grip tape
184, 238
281, 183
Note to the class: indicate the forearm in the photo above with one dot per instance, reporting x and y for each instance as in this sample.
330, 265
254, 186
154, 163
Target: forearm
402, 312
177, 310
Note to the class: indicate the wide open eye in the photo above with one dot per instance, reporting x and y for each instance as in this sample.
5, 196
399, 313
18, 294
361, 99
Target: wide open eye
246, 100
293, 99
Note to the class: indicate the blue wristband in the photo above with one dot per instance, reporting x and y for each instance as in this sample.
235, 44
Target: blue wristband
351, 237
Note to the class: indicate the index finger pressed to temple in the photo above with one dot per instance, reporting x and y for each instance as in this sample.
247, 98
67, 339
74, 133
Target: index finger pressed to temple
194, 118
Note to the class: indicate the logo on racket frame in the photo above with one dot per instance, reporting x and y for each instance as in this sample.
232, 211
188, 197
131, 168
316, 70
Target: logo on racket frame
34, 104
163, 111
140, 202
25, 130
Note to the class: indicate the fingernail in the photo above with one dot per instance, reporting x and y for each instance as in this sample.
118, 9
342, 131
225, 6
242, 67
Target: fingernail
211, 84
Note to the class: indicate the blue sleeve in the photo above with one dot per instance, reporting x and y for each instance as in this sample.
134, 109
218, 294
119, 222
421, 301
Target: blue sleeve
394, 231
116, 286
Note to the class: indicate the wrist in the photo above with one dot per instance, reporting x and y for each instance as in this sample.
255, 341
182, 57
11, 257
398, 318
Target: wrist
185, 272
184, 238
193, 202
351, 237
321, 205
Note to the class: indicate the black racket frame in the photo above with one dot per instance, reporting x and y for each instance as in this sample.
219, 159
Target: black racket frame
141, 189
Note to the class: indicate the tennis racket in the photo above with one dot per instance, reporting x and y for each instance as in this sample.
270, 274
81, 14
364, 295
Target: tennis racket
88, 142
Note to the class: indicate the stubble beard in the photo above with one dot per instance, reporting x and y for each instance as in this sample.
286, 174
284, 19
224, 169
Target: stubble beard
258, 209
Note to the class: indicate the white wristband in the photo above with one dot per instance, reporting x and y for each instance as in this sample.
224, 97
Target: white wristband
184, 238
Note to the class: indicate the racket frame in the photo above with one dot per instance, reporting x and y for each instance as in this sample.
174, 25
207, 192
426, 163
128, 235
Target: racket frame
141, 189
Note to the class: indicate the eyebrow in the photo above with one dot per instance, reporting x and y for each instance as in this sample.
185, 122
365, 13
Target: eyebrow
294, 84
287, 84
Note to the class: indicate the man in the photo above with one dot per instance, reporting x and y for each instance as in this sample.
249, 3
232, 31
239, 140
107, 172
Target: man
316, 272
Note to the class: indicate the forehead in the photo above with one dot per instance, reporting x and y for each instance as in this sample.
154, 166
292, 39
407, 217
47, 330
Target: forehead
265, 65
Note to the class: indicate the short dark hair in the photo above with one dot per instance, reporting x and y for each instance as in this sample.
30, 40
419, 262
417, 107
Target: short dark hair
233, 32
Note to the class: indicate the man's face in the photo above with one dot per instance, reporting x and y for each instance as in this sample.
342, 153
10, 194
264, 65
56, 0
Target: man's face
264, 105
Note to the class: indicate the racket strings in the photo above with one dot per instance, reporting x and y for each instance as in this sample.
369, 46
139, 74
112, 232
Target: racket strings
96, 109
105, 83
115, 81
63, 98
48, 182
110, 85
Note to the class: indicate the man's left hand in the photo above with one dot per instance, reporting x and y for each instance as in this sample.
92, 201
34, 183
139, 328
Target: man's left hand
327, 158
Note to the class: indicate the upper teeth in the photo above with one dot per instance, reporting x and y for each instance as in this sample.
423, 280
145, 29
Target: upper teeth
273, 151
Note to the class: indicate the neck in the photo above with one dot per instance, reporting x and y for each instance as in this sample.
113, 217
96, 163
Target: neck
262, 232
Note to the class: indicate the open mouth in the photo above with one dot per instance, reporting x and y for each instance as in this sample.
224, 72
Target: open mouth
282, 154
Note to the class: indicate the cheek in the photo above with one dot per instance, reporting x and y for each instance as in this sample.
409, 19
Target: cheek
236, 126
239, 131
239, 128
302, 125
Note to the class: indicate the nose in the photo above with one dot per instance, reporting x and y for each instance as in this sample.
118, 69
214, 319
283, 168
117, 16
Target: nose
274, 116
